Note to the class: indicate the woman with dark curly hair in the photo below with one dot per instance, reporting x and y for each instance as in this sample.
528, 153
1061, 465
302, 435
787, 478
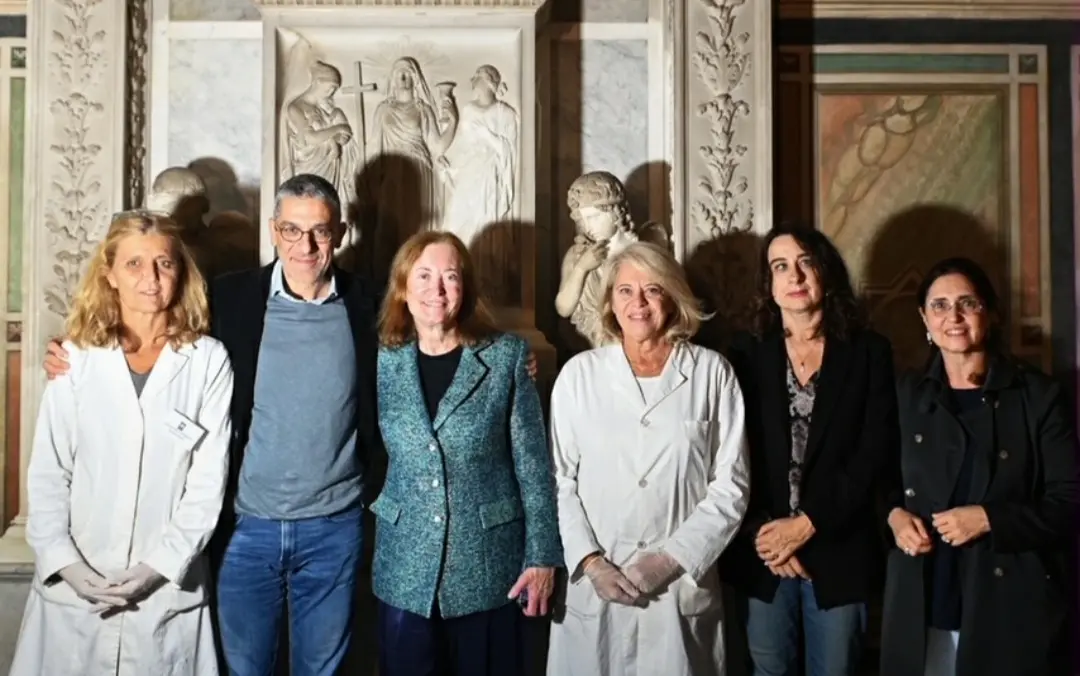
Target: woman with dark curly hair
821, 419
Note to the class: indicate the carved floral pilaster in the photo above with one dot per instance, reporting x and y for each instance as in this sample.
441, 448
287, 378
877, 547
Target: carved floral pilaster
74, 173
722, 146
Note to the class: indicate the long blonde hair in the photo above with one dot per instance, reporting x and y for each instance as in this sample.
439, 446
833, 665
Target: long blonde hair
94, 318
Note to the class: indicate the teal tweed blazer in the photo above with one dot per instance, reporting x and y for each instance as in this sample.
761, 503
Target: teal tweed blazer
469, 498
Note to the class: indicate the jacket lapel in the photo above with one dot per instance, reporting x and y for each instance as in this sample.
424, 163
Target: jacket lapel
675, 374
471, 370
774, 401
169, 365
835, 364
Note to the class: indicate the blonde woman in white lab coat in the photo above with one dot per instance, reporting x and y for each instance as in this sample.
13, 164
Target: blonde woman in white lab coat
128, 469
651, 466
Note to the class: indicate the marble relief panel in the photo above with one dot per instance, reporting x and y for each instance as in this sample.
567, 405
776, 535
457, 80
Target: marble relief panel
215, 116
212, 10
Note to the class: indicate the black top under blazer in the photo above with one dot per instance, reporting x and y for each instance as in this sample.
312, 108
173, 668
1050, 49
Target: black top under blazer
853, 444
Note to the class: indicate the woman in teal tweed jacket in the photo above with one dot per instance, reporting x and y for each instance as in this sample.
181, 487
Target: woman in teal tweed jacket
466, 522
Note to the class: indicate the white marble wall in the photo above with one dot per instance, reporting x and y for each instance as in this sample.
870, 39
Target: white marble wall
600, 120
214, 117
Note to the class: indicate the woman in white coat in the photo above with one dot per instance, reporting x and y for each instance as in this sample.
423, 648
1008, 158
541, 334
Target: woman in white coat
651, 467
128, 469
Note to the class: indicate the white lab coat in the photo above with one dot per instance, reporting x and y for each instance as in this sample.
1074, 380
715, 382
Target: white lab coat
117, 480
634, 478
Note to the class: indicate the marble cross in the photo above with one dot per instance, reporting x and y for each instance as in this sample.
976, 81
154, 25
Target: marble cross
359, 89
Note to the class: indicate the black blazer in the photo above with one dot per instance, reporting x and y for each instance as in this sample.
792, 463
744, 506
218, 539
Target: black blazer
853, 440
1017, 582
238, 309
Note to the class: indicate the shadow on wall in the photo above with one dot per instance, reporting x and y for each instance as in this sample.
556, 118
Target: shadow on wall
723, 274
390, 207
230, 212
907, 245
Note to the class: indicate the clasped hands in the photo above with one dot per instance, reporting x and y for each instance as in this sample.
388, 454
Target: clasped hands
649, 574
113, 591
957, 526
777, 541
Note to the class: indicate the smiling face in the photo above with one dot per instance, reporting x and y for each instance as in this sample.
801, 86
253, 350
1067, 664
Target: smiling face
796, 286
434, 288
305, 235
145, 273
639, 303
955, 316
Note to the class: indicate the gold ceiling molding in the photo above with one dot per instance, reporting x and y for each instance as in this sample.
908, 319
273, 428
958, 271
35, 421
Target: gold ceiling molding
13, 6
930, 9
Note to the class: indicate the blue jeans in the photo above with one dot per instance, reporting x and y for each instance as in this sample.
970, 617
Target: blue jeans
833, 637
310, 564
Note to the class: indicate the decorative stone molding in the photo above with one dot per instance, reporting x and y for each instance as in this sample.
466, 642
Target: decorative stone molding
137, 100
74, 179
721, 151
401, 4
929, 9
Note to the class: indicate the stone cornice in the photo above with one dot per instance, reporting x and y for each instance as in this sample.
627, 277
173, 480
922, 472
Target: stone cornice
402, 4
930, 9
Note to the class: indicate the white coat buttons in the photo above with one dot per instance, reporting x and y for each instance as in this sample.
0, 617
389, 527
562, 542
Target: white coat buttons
642, 544
643, 483
644, 423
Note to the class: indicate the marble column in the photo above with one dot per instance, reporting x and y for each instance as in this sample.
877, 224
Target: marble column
720, 143
75, 167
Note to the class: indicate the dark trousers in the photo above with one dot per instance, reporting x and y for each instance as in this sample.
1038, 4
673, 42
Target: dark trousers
488, 643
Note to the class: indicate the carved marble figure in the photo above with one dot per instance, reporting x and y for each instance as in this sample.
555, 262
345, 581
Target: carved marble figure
483, 159
318, 136
598, 206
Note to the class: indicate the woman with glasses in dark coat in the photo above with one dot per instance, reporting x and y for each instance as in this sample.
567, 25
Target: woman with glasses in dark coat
985, 510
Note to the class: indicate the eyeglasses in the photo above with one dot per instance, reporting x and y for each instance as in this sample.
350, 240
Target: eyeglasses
968, 305
291, 233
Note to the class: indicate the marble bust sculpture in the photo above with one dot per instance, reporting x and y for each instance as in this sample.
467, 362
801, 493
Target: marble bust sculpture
598, 206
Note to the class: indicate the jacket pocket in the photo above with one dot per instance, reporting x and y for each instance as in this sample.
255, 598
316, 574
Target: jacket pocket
386, 509
501, 511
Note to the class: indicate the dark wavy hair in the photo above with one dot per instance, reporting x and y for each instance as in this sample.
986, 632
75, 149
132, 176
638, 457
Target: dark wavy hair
843, 312
984, 290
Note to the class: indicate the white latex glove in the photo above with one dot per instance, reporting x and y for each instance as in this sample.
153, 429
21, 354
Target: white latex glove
134, 583
653, 571
90, 586
609, 582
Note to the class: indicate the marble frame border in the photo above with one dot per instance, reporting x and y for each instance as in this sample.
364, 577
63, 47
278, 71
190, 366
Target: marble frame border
1074, 88
928, 9
164, 31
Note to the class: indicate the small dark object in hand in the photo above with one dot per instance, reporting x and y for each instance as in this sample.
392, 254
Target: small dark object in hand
523, 599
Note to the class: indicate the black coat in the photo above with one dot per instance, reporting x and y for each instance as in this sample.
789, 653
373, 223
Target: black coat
853, 438
1015, 582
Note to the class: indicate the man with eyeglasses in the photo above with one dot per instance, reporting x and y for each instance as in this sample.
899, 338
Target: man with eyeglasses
304, 425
